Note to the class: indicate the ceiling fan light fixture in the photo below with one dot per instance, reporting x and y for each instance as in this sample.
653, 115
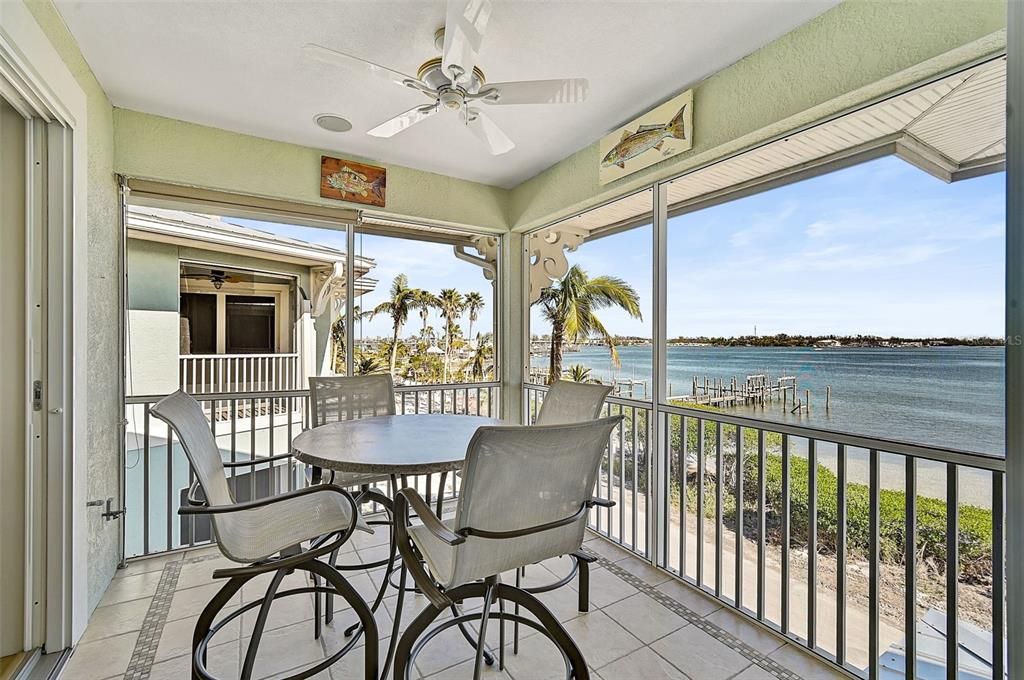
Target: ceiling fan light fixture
332, 123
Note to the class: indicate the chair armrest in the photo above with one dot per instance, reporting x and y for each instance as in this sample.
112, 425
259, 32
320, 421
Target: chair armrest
429, 519
257, 461
556, 524
198, 507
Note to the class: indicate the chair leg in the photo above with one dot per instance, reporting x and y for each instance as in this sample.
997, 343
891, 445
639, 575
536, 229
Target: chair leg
584, 594
552, 628
345, 590
515, 624
261, 623
205, 623
478, 667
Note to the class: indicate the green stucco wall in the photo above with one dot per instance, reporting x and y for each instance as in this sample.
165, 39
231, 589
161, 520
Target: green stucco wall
169, 150
103, 412
852, 54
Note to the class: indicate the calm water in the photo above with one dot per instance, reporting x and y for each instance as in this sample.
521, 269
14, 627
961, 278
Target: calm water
945, 396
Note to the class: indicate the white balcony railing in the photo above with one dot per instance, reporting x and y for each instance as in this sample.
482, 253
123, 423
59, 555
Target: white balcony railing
218, 373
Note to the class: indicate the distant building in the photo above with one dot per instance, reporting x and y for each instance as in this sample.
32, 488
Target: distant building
215, 307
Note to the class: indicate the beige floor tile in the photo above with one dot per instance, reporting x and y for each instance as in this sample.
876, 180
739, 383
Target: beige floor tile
601, 639
643, 570
146, 565
176, 638
191, 601
699, 655
102, 658
131, 588
538, 659
563, 603
803, 664
222, 661
115, 619
738, 625
284, 611
608, 550
201, 573
285, 648
643, 664
447, 649
606, 588
754, 672
352, 665
464, 671
645, 618
690, 597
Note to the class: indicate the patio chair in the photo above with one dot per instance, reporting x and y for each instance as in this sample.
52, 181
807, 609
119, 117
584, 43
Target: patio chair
340, 398
568, 402
572, 402
525, 498
266, 536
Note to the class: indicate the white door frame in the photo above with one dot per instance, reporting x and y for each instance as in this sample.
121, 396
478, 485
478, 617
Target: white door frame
34, 78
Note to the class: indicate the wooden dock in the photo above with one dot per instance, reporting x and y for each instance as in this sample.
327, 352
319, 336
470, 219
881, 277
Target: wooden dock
754, 390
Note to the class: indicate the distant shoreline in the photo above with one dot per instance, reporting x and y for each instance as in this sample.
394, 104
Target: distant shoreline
806, 341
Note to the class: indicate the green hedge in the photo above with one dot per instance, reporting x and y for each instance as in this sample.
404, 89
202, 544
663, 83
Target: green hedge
975, 526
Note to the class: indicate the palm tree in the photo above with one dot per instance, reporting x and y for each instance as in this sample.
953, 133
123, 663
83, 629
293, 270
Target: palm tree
481, 355
425, 301
402, 299
338, 338
579, 373
571, 306
474, 303
451, 304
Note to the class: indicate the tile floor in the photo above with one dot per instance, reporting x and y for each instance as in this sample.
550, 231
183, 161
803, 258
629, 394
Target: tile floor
643, 625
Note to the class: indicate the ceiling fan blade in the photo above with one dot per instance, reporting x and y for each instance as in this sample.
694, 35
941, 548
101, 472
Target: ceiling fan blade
328, 56
465, 23
487, 131
402, 121
561, 91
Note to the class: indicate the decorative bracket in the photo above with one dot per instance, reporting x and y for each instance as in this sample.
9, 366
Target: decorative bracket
328, 285
548, 262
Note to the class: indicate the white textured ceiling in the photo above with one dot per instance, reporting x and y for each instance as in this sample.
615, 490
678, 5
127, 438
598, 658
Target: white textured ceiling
240, 67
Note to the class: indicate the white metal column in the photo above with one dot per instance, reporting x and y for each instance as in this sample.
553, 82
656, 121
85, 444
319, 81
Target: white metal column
657, 508
1015, 339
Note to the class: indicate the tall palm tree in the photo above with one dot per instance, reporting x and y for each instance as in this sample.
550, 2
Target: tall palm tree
425, 301
397, 307
481, 355
571, 306
474, 303
338, 337
451, 303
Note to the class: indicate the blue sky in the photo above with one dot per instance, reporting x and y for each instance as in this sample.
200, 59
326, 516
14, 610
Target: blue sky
879, 248
428, 265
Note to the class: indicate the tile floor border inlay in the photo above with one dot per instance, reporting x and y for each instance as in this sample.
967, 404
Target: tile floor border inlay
768, 664
153, 625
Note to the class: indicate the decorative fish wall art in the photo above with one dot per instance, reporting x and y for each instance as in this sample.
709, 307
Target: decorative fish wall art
350, 181
660, 133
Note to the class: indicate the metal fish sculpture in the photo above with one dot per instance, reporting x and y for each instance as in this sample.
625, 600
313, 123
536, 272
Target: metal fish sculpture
349, 181
645, 138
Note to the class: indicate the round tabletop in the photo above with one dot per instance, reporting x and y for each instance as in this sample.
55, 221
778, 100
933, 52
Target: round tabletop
404, 445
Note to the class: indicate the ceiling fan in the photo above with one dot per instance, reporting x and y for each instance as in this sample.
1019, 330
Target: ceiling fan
218, 277
453, 82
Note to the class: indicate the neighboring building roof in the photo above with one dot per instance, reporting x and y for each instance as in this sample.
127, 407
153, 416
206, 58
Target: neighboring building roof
194, 229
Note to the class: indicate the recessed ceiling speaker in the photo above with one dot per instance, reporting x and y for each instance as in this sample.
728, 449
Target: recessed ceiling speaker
332, 123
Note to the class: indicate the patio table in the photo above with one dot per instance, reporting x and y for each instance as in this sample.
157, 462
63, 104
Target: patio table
391, 445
